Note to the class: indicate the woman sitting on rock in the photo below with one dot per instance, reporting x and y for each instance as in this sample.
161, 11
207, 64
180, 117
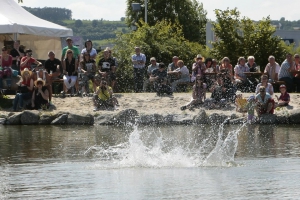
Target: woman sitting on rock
266, 84
199, 93
40, 96
25, 89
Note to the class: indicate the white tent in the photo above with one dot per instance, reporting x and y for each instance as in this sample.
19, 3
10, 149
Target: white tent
18, 24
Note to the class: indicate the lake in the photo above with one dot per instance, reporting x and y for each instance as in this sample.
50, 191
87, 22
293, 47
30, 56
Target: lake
176, 162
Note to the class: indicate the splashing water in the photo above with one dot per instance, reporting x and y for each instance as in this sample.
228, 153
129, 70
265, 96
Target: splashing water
159, 151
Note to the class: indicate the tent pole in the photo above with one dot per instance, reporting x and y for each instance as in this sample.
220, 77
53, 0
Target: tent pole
15, 36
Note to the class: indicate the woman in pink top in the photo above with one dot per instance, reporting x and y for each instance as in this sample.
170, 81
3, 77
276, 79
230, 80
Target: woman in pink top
5, 67
6, 59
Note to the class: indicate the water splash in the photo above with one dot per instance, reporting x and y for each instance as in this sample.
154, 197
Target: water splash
152, 149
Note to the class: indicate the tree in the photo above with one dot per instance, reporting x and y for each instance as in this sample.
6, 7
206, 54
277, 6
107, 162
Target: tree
95, 23
78, 23
163, 41
242, 37
122, 19
188, 13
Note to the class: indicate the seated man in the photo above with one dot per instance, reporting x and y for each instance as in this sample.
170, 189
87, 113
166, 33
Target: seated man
240, 78
53, 65
153, 66
184, 73
40, 72
28, 60
106, 68
272, 69
264, 102
172, 66
159, 77
104, 95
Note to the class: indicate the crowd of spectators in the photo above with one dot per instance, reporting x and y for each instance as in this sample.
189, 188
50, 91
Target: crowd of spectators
77, 68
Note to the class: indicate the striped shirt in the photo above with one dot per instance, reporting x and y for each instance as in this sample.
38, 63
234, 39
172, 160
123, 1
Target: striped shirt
284, 70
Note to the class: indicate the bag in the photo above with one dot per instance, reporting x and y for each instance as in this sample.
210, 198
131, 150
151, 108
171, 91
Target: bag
7, 72
23, 89
15, 73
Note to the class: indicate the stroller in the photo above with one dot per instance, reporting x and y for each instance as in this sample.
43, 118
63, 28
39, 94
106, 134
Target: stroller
161, 87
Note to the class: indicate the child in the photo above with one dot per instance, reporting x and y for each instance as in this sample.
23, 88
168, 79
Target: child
250, 106
240, 103
284, 98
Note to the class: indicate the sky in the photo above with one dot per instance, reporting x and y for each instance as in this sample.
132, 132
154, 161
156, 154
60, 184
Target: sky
115, 9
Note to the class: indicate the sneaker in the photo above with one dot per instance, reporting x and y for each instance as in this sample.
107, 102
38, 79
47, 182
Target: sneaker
95, 109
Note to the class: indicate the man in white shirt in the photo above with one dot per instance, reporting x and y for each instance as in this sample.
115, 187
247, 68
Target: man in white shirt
138, 59
272, 69
184, 74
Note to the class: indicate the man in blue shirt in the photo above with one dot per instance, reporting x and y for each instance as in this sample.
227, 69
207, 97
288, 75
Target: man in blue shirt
138, 60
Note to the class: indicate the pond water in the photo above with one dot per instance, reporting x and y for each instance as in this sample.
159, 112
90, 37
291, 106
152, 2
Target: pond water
178, 162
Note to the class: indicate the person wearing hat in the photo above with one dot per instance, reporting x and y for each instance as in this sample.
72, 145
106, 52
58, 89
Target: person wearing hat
40, 96
40, 72
89, 49
154, 65
106, 66
198, 68
76, 52
28, 60
284, 98
25, 89
264, 102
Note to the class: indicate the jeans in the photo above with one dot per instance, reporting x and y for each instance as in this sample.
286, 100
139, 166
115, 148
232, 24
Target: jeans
19, 99
138, 79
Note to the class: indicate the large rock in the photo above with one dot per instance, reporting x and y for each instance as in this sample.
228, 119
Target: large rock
201, 118
151, 119
282, 118
294, 116
80, 120
30, 117
60, 120
183, 119
237, 121
215, 118
14, 119
125, 117
46, 119
103, 120
267, 119
2, 121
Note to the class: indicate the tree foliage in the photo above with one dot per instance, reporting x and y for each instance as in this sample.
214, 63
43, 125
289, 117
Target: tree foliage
51, 14
189, 13
238, 36
162, 41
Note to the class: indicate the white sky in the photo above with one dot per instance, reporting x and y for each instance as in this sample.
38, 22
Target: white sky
115, 9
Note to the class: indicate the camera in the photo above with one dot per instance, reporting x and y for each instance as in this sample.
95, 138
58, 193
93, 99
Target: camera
29, 54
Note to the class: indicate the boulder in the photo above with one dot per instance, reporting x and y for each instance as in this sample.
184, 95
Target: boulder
182, 119
30, 117
60, 120
294, 117
80, 120
282, 118
237, 121
201, 118
125, 117
151, 119
267, 119
46, 119
14, 119
2, 121
215, 118
103, 120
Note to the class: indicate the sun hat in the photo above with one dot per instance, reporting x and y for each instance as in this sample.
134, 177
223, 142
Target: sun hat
39, 80
282, 86
27, 71
152, 58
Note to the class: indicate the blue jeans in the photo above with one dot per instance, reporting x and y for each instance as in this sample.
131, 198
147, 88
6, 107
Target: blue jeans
19, 99
138, 79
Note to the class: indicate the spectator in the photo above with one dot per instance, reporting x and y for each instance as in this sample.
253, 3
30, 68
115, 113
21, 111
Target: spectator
250, 106
198, 68
40, 96
215, 66
297, 63
240, 103
114, 58
226, 66
75, 50
240, 78
264, 102
198, 95
138, 60
40, 72
17, 53
89, 49
87, 70
104, 95
184, 73
25, 89
264, 82
159, 77
272, 69
209, 68
284, 98
286, 74
28, 60
154, 65
172, 66
53, 66
251, 64
70, 72
6, 71
107, 68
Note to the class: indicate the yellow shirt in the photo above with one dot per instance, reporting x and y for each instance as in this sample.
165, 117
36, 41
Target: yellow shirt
104, 94
241, 103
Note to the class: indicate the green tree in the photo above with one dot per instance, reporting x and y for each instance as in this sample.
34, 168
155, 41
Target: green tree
189, 13
78, 23
95, 23
163, 41
242, 37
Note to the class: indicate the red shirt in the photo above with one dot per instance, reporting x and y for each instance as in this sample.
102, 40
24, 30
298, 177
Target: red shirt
8, 62
284, 97
28, 64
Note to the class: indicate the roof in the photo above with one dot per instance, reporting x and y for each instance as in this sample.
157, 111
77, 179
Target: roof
15, 19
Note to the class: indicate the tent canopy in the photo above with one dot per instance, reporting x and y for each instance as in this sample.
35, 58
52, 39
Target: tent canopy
15, 19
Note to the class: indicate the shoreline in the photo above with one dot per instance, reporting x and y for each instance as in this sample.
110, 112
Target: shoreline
142, 108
